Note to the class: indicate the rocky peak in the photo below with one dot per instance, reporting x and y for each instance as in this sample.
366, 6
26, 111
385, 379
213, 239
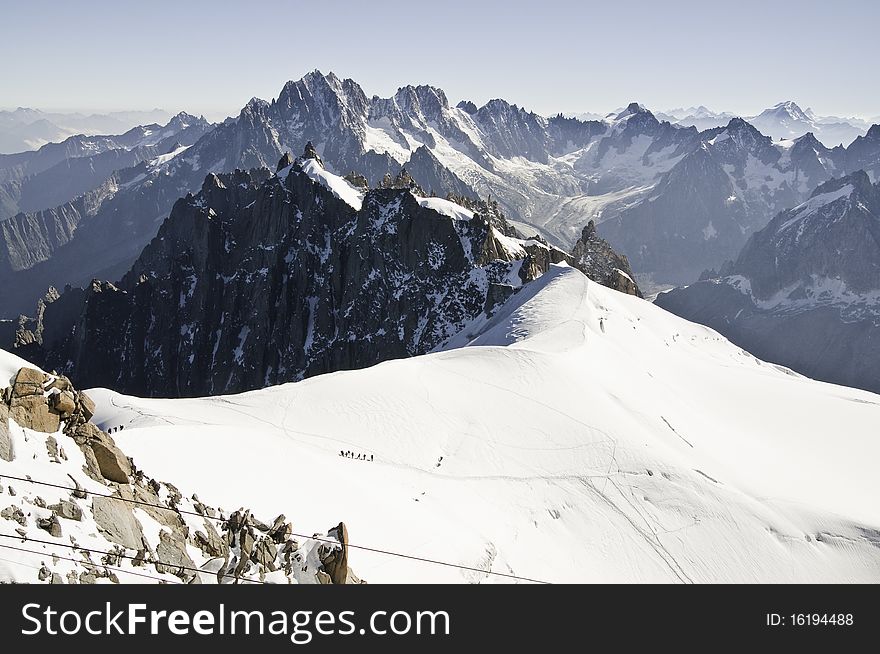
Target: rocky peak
834, 235
310, 153
788, 109
739, 139
427, 102
287, 160
859, 180
595, 257
632, 109
318, 103
254, 107
403, 180
467, 106
184, 120
260, 280
810, 141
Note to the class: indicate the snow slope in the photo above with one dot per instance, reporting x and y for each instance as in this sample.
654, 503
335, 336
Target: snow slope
9, 366
582, 435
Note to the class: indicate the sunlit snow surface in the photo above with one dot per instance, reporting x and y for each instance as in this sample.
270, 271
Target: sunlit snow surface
337, 185
582, 435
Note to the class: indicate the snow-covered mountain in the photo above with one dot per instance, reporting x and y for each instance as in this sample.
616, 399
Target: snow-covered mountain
581, 435
805, 290
703, 118
58, 173
787, 120
551, 176
29, 129
263, 278
703, 210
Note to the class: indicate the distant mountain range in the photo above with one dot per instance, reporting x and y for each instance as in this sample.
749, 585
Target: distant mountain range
675, 200
59, 172
29, 129
805, 290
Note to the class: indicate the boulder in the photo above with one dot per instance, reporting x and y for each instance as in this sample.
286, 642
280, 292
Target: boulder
210, 542
61, 382
63, 403
264, 554
323, 577
246, 542
172, 556
281, 529
7, 450
67, 510
28, 381
87, 405
51, 525
335, 560
112, 463
117, 522
14, 513
32, 411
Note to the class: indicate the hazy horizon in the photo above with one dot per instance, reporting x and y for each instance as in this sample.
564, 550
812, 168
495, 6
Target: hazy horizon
563, 56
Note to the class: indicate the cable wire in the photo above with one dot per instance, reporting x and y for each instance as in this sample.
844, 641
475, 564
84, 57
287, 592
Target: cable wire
80, 548
298, 535
67, 558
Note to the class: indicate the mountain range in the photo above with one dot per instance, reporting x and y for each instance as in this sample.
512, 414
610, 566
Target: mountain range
674, 200
805, 290
550, 175
29, 129
263, 278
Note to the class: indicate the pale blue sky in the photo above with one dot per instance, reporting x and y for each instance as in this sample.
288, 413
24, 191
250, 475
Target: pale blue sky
548, 55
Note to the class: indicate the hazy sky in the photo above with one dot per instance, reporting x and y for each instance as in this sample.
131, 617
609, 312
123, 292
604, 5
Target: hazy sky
547, 55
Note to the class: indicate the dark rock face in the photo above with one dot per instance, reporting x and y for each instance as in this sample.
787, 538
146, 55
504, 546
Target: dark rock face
805, 290
259, 280
835, 234
433, 177
594, 256
704, 209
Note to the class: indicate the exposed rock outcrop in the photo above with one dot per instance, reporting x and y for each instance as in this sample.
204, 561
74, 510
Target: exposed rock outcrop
145, 526
262, 279
595, 257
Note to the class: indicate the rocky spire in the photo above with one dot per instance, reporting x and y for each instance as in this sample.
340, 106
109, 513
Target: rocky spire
311, 153
403, 180
286, 160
